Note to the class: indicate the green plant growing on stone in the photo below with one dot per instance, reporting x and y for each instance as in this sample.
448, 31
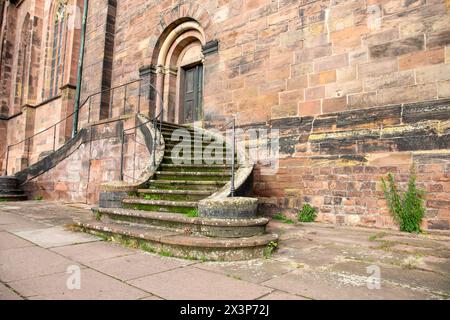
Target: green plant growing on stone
98, 215
39, 198
271, 247
379, 235
408, 209
166, 253
281, 217
147, 248
192, 213
307, 214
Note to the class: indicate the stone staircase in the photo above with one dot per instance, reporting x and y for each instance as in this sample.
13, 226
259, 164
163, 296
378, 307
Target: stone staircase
10, 190
162, 215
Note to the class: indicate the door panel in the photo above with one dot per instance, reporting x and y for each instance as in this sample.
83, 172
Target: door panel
192, 94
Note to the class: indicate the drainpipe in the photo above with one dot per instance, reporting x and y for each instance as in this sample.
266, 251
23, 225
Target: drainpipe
80, 70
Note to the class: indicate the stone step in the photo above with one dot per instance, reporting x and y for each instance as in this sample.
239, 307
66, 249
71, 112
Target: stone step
179, 192
184, 207
194, 174
166, 131
207, 161
167, 194
181, 245
194, 167
214, 183
193, 144
11, 191
13, 197
225, 228
174, 125
214, 166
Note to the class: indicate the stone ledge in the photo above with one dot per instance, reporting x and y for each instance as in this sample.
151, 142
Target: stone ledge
228, 208
180, 245
211, 227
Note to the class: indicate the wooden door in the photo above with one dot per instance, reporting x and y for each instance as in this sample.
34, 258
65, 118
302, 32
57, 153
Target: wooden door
192, 94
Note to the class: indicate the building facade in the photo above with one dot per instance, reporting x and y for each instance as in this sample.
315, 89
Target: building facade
355, 88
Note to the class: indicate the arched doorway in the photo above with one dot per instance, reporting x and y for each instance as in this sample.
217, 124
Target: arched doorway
179, 72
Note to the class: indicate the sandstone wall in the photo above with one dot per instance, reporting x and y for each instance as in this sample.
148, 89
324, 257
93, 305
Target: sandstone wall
344, 81
97, 159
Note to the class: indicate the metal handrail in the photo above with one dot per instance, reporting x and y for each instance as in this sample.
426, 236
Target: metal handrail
154, 121
88, 98
233, 152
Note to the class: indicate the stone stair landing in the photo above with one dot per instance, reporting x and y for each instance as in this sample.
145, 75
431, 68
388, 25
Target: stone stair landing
162, 216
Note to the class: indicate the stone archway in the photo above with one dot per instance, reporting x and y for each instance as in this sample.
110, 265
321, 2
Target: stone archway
179, 72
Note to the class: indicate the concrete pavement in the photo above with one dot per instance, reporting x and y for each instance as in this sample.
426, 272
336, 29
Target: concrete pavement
42, 259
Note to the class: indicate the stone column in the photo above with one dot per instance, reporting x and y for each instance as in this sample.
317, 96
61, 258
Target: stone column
26, 156
64, 129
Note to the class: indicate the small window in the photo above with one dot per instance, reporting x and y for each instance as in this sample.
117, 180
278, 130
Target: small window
57, 66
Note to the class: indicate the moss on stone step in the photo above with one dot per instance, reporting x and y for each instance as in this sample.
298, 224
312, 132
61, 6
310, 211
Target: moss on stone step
159, 208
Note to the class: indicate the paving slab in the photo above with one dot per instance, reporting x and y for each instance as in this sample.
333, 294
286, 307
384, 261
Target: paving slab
28, 262
279, 295
91, 251
417, 280
55, 237
194, 284
137, 265
10, 241
256, 271
318, 256
15, 223
8, 294
336, 286
151, 297
93, 286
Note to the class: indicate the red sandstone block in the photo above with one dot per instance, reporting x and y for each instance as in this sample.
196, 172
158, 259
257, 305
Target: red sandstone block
310, 108
301, 69
322, 78
362, 100
293, 96
298, 82
315, 93
310, 54
334, 104
331, 63
373, 69
422, 92
421, 58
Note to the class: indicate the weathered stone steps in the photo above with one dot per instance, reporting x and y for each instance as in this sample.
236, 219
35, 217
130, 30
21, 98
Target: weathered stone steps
183, 207
170, 194
201, 175
215, 183
181, 245
195, 167
225, 228
206, 161
10, 190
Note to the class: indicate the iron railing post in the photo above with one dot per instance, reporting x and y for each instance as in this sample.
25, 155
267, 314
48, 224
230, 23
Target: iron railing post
111, 98
122, 140
28, 151
125, 99
54, 137
233, 151
139, 98
89, 110
154, 145
7, 160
